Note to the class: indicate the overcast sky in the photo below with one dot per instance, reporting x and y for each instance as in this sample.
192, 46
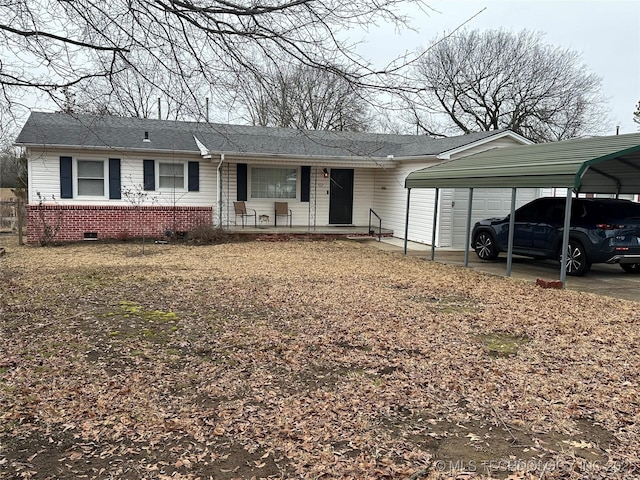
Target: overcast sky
605, 32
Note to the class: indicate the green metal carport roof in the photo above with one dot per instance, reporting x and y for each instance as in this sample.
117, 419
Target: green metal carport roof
594, 165
588, 165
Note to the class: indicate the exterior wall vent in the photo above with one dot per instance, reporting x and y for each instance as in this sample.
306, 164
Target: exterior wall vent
91, 235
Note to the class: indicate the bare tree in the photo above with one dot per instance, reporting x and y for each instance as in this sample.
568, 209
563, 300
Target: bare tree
481, 81
300, 97
129, 93
636, 114
174, 46
13, 169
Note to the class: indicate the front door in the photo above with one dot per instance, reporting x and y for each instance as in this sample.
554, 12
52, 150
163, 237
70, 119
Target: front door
341, 196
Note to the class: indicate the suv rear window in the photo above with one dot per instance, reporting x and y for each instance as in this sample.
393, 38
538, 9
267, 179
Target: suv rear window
609, 210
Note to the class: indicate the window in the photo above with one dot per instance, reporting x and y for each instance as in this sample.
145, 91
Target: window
273, 182
91, 178
171, 175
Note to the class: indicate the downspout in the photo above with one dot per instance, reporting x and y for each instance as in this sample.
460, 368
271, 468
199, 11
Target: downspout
219, 190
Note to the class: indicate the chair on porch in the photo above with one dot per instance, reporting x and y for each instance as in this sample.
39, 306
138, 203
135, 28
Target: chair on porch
282, 210
241, 211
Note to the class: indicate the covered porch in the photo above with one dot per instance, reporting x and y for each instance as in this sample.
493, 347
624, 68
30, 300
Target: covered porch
304, 231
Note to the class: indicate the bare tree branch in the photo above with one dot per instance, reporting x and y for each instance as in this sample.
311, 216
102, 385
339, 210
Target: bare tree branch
482, 81
180, 50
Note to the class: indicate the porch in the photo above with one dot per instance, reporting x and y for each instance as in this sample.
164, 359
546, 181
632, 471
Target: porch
303, 231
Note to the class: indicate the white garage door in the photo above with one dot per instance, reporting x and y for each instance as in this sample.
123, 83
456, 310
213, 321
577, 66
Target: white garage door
487, 203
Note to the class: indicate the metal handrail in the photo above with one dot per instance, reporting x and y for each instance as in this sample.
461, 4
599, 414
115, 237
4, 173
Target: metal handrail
371, 212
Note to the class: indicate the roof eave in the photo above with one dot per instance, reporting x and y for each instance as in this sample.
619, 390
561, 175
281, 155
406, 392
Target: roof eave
367, 161
372, 162
45, 146
446, 155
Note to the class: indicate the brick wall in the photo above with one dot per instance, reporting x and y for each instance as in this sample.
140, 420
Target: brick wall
119, 222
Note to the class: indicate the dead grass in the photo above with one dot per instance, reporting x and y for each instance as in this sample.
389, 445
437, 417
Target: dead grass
305, 360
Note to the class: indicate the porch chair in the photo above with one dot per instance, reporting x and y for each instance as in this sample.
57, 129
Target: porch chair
241, 210
282, 210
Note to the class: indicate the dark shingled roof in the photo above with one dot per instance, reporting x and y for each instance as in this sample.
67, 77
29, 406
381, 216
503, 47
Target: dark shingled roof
60, 129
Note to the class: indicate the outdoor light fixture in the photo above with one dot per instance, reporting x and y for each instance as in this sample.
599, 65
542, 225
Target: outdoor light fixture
325, 173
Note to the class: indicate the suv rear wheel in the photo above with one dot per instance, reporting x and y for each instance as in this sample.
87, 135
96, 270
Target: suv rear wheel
577, 261
484, 246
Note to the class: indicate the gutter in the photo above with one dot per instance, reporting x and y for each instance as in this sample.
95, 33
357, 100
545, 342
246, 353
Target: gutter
50, 147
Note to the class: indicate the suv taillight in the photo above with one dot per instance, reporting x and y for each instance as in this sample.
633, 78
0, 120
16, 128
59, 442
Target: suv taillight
608, 226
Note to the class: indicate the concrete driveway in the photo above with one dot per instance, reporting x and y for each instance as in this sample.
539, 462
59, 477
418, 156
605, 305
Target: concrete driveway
602, 279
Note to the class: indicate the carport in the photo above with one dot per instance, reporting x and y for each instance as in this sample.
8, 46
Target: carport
599, 165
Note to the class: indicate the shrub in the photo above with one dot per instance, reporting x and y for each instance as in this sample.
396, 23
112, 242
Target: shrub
207, 234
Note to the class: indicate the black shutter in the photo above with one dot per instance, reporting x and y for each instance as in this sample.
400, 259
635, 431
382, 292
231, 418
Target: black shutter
242, 182
149, 174
114, 179
305, 184
66, 177
194, 176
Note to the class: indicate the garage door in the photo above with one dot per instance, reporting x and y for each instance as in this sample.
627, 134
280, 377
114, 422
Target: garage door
487, 203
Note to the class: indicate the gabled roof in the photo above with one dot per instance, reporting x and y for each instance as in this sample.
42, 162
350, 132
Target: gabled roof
595, 165
122, 133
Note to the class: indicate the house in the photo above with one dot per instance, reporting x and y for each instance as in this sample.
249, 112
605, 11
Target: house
111, 177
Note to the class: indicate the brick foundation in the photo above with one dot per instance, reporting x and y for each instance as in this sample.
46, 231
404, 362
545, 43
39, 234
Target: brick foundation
113, 222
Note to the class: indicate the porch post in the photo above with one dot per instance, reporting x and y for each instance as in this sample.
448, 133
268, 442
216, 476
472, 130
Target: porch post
565, 237
468, 234
219, 190
435, 225
406, 222
512, 223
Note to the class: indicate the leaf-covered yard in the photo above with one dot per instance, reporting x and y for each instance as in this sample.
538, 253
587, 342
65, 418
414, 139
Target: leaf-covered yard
305, 360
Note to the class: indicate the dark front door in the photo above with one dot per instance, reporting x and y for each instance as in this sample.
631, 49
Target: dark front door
341, 196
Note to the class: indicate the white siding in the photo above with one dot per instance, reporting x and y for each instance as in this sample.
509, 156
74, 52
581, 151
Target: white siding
390, 202
363, 182
45, 178
391, 199
445, 219
380, 188
315, 212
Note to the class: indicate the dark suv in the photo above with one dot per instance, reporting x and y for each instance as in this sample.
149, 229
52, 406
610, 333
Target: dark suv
602, 231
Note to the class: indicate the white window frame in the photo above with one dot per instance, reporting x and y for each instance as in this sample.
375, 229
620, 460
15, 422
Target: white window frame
177, 188
76, 179
275, 167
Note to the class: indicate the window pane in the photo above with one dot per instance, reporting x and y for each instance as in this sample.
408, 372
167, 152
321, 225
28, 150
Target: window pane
90, 169
171, 169
91, 178
171, 182
171, 175
273, 182
91, 187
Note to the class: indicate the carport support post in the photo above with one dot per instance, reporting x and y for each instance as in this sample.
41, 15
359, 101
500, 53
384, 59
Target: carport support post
435, 225
565, 238
406, 222
512, 224
468, 234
